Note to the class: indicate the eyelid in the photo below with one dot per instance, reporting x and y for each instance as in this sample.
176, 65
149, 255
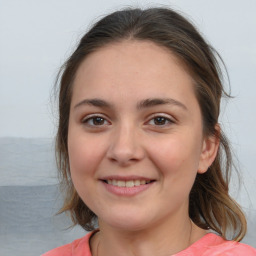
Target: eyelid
167, 116
94, 115
169, 121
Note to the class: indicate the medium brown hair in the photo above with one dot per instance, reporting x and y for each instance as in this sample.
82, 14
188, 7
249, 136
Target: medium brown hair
210, 206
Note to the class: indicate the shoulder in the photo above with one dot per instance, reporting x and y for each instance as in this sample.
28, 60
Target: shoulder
216, 245
79, 247
234, 248
212, 244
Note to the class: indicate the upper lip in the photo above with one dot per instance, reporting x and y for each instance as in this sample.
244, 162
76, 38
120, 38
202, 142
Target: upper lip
126, 178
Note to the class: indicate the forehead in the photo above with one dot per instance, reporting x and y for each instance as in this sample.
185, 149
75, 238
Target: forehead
122, 54
132, 69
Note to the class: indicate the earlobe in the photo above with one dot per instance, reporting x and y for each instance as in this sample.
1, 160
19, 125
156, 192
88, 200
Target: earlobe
210, 148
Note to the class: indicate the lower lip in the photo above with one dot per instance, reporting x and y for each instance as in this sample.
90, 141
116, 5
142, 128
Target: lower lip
126, 191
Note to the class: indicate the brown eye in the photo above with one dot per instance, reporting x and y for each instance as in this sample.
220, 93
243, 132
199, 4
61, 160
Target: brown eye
95, 121
160, 120
98, 120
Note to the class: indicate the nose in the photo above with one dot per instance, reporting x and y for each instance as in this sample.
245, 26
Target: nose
125, 146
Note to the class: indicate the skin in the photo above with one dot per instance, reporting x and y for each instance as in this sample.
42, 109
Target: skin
128, 140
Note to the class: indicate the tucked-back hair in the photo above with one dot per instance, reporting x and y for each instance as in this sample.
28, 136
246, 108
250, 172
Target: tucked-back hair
210, 206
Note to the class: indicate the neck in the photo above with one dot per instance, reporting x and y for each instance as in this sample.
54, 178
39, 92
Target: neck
158, 240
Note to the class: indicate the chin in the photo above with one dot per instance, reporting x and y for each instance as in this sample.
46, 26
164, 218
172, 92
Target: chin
127, 222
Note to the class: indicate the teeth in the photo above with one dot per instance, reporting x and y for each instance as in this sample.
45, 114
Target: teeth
136, 182
128, 183
121, 183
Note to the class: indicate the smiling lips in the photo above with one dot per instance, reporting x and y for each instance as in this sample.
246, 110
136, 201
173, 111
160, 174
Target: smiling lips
127, 187
128, 183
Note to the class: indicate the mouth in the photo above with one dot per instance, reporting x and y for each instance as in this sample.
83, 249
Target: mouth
127, 186
127, 183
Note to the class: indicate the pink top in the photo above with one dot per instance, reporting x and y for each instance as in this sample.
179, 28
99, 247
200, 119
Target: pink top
208, 245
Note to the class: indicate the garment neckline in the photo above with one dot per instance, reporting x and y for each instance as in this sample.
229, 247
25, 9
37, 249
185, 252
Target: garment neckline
201, 241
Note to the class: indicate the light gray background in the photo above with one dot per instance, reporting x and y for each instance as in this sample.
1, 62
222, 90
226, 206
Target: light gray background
35, 38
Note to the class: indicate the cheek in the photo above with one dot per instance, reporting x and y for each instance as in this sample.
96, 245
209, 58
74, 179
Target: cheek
83, 161
177, 157
84, 155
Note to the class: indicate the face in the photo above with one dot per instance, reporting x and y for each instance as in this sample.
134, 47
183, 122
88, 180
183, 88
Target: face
135, 138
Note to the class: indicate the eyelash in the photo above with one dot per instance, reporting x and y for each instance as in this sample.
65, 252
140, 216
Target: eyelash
163, 118
94, 118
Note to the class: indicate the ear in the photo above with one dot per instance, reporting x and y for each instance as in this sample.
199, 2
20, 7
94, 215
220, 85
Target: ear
210, 148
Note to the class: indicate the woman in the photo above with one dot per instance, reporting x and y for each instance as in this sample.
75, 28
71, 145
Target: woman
140, 150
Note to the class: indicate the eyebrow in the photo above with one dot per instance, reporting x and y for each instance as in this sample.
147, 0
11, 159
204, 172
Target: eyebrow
160, 101
147, 103
94, 102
